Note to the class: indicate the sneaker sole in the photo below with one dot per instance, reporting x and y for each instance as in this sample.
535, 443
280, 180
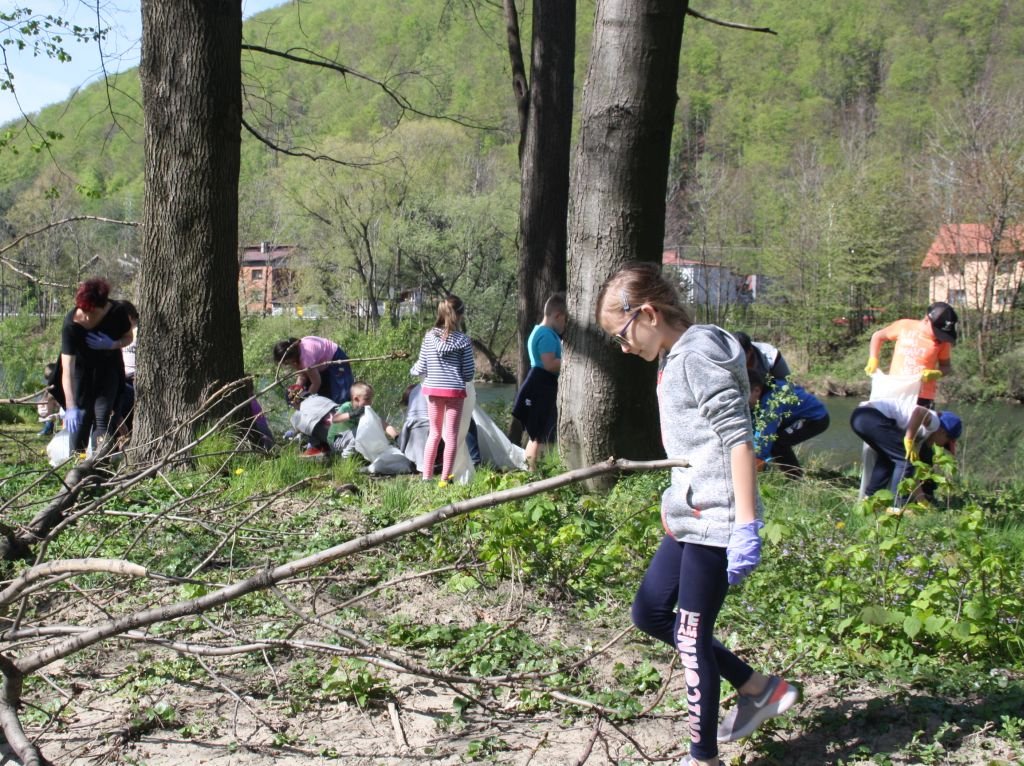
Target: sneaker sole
771, 710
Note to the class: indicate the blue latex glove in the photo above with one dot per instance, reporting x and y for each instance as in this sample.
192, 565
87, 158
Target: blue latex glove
744, 550
73, 420
100, 342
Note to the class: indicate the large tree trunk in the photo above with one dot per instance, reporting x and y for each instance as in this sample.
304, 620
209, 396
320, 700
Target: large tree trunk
546, 124
606, 400
190, 330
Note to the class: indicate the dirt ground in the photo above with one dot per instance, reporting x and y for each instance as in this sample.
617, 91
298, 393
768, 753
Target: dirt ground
229, 725
241, 715
863, 728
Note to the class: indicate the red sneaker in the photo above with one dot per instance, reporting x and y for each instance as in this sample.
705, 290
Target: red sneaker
316, 453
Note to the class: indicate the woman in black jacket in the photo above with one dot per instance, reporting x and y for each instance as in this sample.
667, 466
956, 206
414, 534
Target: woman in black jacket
92, 368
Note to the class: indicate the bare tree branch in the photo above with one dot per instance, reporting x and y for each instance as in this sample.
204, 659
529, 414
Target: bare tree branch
303, 153
313, 59
729, 24
72, 219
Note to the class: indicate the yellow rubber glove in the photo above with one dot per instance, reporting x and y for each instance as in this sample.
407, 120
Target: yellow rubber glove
927, 376
871, 366
910, 449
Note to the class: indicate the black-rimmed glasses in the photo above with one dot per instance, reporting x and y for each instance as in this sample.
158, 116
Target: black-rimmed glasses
620, 336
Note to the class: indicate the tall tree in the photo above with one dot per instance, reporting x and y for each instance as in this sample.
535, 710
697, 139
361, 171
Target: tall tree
545, 124
606, 399
190, 336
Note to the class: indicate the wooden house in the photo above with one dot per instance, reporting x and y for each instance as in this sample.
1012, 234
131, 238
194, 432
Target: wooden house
968, 269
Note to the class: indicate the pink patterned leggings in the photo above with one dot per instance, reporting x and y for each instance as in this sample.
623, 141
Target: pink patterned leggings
444, 414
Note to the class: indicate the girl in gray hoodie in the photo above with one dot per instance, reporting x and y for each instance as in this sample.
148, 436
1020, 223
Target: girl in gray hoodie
711, 511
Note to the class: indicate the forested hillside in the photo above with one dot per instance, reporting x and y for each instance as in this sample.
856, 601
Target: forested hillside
814, 156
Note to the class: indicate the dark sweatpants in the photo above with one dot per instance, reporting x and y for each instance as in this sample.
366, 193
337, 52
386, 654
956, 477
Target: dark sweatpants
885, 436
693, 578
789, 436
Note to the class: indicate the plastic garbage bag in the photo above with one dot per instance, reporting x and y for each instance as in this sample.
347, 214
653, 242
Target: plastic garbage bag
885, 387
311, 411
495, 448
372, 443
59, 448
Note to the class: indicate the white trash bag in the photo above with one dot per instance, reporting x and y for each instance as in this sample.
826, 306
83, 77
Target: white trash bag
894, 387
495, 448
373, 444
59, 448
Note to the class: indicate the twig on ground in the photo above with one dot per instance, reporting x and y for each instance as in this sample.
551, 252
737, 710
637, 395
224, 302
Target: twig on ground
589, 747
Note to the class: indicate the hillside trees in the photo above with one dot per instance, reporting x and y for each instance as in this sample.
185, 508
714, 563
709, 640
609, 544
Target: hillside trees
349, 208
606, 399
190, 339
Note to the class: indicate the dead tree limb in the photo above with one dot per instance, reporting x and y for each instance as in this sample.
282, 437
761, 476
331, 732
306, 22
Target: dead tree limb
729, 24
71, 219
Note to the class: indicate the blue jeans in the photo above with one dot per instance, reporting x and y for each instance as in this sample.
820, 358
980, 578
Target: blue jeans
693, 578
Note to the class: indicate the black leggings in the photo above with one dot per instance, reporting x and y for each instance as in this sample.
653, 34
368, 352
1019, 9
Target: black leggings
99, 396
693, 578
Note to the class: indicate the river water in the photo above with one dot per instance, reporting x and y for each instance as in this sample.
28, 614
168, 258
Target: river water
991, 448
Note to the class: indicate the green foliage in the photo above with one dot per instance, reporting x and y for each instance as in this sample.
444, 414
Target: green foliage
922, 586
355, 680
929, 599
579, 544
486, 749
797, 156
777, 405
42, 34
25, 349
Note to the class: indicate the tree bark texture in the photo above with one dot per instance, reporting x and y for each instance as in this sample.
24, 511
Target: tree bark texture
190, 330
544, 164
607, 401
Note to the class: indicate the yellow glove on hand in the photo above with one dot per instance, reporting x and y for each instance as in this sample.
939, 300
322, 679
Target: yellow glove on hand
927, 376
871, 366
909, 449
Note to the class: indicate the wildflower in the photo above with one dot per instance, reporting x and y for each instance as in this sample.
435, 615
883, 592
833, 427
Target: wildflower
239, 471
442, 483
840, 524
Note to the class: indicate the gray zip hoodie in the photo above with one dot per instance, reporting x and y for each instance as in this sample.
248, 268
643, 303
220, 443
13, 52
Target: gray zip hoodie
702, 399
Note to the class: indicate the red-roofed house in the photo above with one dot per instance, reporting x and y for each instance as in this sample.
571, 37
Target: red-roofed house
967, 271
265, 278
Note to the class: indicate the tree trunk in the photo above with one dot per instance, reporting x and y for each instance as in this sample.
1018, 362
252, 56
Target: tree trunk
190, 330
546, 119
606, 399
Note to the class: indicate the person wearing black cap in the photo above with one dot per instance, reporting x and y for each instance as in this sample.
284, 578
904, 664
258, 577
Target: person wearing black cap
923, 347
902, 433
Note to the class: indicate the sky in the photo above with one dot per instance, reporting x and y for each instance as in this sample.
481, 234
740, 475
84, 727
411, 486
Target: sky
40, 81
